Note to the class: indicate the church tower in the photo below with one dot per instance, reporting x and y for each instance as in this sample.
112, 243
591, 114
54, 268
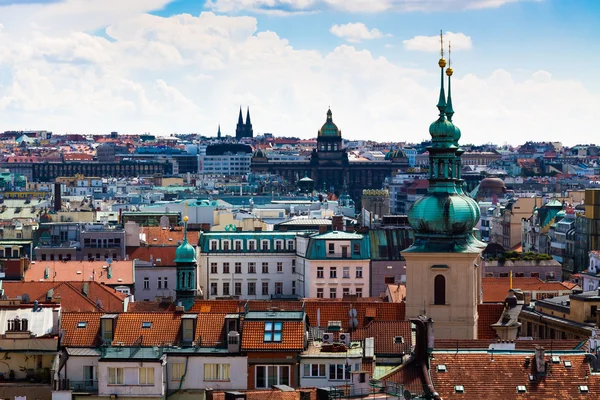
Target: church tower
249, 130
185, 260
244, 130
443, 276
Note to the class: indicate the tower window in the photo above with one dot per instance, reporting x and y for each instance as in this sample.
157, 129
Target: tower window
439, 290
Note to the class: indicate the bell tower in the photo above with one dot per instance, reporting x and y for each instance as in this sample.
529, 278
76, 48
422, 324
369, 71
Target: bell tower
443, 276
185, 260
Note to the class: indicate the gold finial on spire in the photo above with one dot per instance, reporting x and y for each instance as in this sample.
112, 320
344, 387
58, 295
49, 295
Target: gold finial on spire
449, 71
442, 62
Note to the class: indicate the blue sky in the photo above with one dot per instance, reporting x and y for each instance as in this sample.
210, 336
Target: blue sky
523, 68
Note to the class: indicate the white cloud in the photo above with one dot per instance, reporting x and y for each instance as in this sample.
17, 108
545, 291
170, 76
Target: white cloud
190, 73
355, 32
281, 7
459, 41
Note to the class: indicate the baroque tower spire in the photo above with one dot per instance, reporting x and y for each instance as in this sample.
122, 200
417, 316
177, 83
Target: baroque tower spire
449, 71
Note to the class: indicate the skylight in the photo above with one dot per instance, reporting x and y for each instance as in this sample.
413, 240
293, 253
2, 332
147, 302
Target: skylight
521, 389
459, 389
568, 364
146, 325
273, 331
82, 324
442, 368
555, 360
584, 389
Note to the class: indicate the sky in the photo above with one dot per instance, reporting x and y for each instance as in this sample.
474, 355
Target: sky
523, 69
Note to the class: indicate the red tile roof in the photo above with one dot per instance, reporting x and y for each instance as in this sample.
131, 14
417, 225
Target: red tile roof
80, 337
384, 332
485, 377
215, 306
339, 311
484, 344
166, 255
158, 236
147, 306
408, 375
292, 337
164, 328
70, 294
488, 314
82, 271
210, 328
496, 289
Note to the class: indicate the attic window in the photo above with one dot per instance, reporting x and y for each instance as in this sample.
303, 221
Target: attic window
146, 325
555, 360
398, 340
273, 331
442, 368
521, 389
459, 389
568, 364
82, 324
584, 389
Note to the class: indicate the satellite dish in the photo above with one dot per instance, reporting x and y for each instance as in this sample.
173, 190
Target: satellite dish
109, 261
25, 298
99, 303
353, 323
353, 312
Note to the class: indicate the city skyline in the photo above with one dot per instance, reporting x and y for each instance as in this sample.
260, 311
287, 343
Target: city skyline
523, 69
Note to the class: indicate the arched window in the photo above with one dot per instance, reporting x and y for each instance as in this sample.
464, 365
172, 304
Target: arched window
439, 290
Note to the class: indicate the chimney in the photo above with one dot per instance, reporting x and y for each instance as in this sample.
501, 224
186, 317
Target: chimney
540, 360
322, 229
57, 197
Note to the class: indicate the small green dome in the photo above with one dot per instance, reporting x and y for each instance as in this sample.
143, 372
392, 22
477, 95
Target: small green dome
185, 253
443, 214
259, 153
443, 129
329, 129
395, 154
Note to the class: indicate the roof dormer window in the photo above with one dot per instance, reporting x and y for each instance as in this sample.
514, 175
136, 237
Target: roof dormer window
273, 331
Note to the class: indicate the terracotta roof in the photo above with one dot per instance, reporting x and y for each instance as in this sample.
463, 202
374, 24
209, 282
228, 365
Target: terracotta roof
80, 337
70, 294
147, 306
397, 293
265, 305
488, 314
158, 236
484, 377
384, 333
338, 311
211, 329
409, 375
292, 337
81, 271
166, 255
496, 289
164, 328
484, 344
215, 306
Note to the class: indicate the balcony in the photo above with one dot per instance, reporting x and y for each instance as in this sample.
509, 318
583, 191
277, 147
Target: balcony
85, 386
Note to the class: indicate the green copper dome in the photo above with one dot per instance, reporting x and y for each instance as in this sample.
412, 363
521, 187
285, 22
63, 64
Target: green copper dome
329, 129
185, 253
443, 214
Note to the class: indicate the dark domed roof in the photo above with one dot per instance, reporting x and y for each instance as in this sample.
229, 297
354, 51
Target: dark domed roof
489, 183
395, 154
329, 129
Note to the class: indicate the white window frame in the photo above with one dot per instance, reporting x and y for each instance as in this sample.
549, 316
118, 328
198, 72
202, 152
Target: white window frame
221, 369
278, 366
177, 371
114, 379
262, 242
228, 242
214, 245
290, 245
252, 245
146, 372
310, 371
235, 243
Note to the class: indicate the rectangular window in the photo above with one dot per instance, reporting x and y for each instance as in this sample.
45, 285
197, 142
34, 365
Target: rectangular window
278, 245
177, 371
265, 268
159, 285
315, 370
187, 330
251, 245
333, 272
217, 372
237, 287
279, 267
320, 293
226, 245
331, 248
332, 293
146, 376
225, 288
213, 245
165, 283
290, 245
251, 288
107, 329
213, 268
358, 292
265, 288
359, 272
251, 268
265, 245
269, 375
293, 287
238, 245
345, 291
278, 287
356, 249
115, 376
238, 267
146, 283
293, 266
346, 272
273, 331
339, 372
213, 289
226, 268
319, 272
